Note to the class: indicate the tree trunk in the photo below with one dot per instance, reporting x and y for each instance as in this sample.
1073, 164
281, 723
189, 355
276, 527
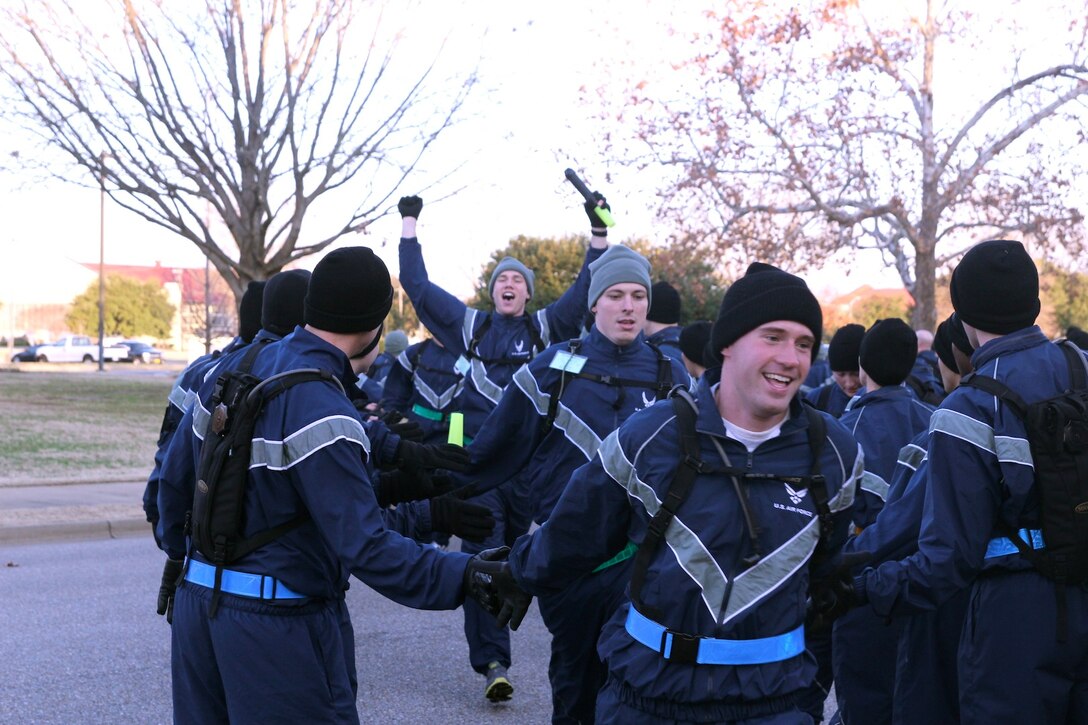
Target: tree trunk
924, 314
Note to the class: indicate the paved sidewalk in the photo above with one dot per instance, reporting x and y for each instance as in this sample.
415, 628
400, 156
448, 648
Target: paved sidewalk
71, 510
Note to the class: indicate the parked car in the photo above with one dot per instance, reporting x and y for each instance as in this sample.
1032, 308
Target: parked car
141, 352
28, 355
78, 348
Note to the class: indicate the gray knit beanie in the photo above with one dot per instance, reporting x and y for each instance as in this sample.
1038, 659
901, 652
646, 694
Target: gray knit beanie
617, 265
509, 264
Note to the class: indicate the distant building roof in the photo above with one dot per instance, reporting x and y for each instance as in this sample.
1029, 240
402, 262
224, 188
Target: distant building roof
189, 279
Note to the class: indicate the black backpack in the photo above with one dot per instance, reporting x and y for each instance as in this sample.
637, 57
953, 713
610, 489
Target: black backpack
923, 392
1057, 432
217, 519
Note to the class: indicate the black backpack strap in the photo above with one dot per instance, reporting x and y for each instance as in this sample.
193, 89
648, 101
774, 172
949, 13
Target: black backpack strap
477, 335
534, 336
573, 346
999, 390
1078, 365
680, 487
824, 396
664, 372
817, 484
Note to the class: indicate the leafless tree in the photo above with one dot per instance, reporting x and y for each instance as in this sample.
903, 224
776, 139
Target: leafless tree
793, 133
256, 109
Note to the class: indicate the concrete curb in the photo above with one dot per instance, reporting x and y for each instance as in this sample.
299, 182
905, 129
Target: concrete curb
105, 529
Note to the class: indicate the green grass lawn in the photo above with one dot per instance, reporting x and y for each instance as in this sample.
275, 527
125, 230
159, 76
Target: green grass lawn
79, 426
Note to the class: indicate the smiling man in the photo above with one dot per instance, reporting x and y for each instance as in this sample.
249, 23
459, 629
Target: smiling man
488, 347
551, 421
725, 497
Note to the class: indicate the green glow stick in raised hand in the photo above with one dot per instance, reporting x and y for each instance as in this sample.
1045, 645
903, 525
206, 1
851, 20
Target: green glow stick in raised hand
603, 214
457, 429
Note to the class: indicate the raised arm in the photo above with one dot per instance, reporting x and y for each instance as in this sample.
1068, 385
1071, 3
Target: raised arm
566, 315
439, 311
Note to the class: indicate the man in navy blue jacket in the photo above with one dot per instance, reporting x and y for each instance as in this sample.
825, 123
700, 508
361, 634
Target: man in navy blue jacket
280, 647
423, 386
884, 418
1016, 664
489, 345
551, 421
842, 357
662, 326
714, 630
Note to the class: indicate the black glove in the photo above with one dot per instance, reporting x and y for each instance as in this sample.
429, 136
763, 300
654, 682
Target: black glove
488, 581
403, 427
831, 591
410, 206
452, 514
411, 456
594, 220
171, 575
399, 486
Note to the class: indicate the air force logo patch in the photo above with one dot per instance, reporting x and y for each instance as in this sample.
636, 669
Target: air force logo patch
795, 496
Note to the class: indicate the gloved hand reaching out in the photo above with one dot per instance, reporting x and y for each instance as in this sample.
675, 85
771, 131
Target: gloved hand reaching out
488, 581
452, 514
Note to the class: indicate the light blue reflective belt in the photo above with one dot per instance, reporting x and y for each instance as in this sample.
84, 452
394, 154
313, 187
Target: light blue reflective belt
709, 651
239, 583
1003, 546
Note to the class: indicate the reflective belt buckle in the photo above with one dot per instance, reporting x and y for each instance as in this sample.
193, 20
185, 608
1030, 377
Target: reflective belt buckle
680, 647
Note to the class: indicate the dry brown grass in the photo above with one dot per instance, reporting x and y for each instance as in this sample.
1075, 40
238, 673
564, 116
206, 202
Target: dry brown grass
80, 425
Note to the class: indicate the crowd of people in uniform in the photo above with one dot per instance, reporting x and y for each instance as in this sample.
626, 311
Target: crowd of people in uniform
718, 521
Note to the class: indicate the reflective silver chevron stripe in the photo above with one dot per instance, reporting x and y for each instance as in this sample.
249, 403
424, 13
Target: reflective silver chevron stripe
574, 428
874, 484
483, 384
912, 456
754, 584
545, 332
1007, 449
404, 362
281, 455
689, 551
437, 401
468, 325
178, 396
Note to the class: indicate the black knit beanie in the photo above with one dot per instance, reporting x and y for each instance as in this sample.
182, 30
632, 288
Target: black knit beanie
664, 304
693, 340
995, 287
844, 348
349, 292
959, 335
765, 294
249, 312
942, 345
284, 303
888, 351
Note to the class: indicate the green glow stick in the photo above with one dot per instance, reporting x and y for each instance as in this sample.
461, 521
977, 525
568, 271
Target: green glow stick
457, 429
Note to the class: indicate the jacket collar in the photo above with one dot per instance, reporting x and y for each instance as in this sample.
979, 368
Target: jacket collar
891, 392
1024, 339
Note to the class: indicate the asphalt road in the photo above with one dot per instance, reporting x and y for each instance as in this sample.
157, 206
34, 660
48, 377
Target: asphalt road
80, 643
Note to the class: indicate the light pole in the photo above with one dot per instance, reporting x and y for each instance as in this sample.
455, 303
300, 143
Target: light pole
101, 259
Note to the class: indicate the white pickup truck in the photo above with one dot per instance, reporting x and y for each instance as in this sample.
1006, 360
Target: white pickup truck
78, 348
